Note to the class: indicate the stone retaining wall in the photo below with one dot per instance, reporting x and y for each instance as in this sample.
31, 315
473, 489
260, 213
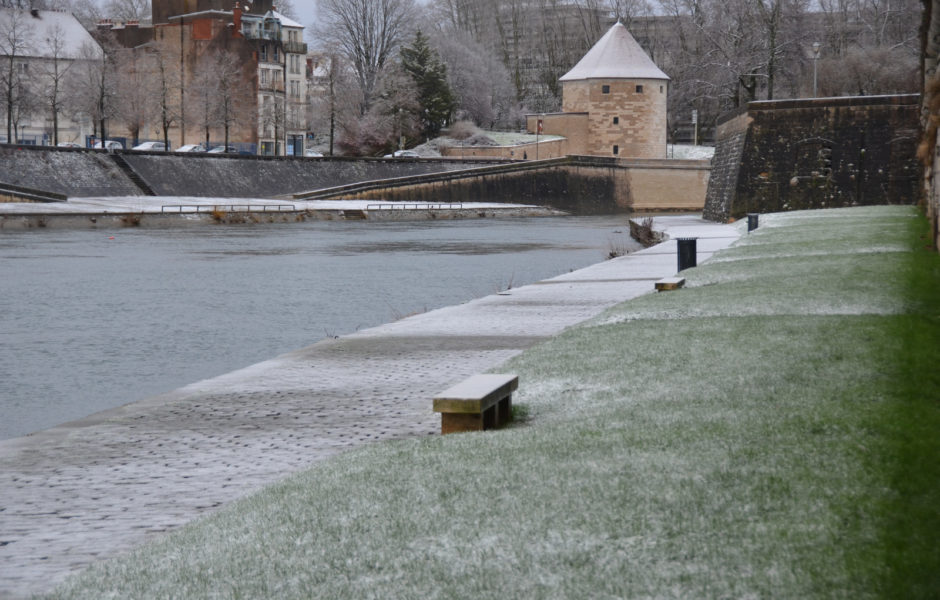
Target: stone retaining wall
817, 153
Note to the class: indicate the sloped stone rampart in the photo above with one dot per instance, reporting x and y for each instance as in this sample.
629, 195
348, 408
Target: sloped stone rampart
64, 171
262, 177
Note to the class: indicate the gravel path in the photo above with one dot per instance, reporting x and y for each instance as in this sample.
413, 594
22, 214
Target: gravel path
94, 488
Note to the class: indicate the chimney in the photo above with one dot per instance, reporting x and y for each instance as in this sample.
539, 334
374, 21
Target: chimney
237, 21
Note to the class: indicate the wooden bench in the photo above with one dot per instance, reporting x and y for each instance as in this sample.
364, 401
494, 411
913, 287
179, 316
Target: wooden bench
478, 403
669, 283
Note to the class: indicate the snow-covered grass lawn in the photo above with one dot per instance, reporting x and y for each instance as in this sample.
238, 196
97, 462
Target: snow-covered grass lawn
770, 431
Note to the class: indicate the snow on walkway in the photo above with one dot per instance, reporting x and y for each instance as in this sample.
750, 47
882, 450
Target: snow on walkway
97, 487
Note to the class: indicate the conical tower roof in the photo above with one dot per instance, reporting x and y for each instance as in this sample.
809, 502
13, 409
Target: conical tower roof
615, 56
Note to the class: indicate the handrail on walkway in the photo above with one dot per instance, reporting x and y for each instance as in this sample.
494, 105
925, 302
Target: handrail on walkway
415, 206
198, 208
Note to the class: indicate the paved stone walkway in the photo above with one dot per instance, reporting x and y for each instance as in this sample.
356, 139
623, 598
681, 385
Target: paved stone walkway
94, 488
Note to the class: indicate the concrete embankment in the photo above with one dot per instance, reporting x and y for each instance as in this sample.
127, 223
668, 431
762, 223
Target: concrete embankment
95, 488
243, 216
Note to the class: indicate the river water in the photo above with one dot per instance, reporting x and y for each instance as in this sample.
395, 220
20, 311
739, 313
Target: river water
90, 320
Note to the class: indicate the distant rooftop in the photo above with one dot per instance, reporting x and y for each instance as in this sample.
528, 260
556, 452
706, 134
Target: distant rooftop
42, 26
615, 56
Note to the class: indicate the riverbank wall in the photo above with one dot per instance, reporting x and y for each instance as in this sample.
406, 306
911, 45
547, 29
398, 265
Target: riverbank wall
156, 220
580, 185
576, 184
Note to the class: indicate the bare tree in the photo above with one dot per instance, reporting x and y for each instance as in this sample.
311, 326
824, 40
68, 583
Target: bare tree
15, 42
127, 10
167, 79
368, 33
56, 68
134, 90
91, 82
217, 94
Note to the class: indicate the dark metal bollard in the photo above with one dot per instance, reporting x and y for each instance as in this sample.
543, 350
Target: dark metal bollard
751, 222
687, 253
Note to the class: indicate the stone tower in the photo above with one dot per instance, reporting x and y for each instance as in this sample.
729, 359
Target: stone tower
613, 102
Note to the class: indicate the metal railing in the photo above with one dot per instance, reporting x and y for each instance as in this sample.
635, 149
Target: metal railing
226, 208
415, 206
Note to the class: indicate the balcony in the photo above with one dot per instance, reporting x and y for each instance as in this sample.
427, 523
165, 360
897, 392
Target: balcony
271, 86
295, 47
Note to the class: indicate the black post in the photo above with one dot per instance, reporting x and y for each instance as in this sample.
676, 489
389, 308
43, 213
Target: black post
751, 222
687, 253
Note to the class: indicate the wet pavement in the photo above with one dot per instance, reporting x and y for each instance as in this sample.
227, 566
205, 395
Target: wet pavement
97, 487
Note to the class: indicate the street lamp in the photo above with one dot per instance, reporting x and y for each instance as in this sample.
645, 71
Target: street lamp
816, 46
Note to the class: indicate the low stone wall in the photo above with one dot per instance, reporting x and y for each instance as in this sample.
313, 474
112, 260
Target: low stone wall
548, 149
817, 153
575, 184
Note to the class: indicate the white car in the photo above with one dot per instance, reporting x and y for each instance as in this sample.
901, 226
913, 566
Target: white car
152, 146
109, 145
312, 153
68, 145
406, 154
191, 148
222, 150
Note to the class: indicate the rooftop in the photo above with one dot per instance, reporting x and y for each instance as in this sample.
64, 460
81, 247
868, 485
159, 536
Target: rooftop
615, 56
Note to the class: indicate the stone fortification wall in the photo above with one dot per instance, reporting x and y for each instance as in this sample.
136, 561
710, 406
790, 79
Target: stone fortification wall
818, 153
630, 115
263, 177
726, 166
576, 184
64, 171
78, 173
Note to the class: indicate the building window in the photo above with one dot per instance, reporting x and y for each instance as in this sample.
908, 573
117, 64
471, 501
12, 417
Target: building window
275, 54
264, 76
616, 149
616, 120
264, 52
660, 89
639, 89
605, 89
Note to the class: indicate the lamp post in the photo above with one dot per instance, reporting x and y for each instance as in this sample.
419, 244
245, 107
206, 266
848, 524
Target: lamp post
816, 46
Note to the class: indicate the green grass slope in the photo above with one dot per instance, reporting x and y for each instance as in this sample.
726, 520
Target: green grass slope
771, 430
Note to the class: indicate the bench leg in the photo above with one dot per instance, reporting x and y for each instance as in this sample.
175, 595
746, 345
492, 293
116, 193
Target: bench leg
458, 422
491, 418
505, 411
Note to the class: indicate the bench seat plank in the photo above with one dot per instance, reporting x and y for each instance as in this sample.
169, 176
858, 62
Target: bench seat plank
476, 394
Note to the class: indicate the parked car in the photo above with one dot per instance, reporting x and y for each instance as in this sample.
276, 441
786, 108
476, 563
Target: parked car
152, 146
68, 145
403, 154
312, 154
109, 145
223, 150
191, 148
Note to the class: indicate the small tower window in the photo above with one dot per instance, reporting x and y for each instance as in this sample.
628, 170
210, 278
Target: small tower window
616, 149
605, 89
660, 89
616, 120
639, 89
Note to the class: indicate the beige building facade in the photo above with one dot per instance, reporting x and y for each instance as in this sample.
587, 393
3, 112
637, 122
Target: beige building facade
613, 102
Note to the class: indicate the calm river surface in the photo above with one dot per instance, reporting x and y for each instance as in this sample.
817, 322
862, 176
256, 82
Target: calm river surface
88, 322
